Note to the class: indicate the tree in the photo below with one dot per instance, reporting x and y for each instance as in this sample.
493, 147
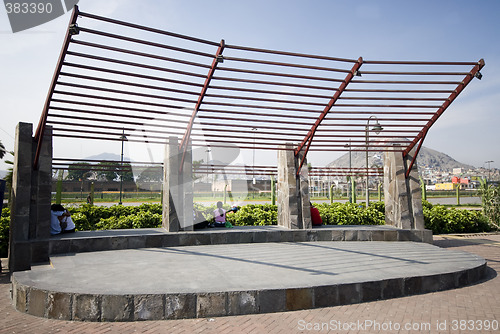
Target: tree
10, 170
490, 196
2, 150
196, 167
110, 171
107, 170
79, 171
151, 174
127, 174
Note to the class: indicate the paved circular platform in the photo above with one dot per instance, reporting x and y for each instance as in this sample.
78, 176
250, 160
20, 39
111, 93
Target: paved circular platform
217, 280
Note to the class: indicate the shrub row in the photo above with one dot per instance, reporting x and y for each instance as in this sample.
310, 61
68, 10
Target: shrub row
89, 217
4, 231
352, 214
437, 218
440, 220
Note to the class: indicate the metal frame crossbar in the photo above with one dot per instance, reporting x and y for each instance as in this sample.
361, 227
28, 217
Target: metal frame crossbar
126, 77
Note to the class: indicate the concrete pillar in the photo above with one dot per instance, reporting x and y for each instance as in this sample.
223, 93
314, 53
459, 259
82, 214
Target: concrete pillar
403, 199
31, 198
293, 192
170, 220
41, 189
177, 188
304, 200
20, 203
186, 177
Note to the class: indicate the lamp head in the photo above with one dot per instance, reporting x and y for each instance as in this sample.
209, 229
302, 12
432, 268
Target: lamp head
377, 128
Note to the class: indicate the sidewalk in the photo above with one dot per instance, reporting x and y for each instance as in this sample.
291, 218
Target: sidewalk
467, 308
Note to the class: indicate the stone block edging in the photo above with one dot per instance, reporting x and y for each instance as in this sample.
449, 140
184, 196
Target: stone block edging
78, 244
102, 307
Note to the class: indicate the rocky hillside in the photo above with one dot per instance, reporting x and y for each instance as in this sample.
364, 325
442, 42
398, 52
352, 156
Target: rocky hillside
427, 158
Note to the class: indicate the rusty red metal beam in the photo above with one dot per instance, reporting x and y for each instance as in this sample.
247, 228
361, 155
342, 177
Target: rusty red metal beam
117, 100
274, 83
140, 27
383, 112
399, 82
363, 131
292, 54
414, 73
106, 98
309, 137
251, 113
416, 91
137, 53
40, 131
67, 127
222, 96
278, 74
115, 161
184, 142
372, 98
134, 75
253, 106
421, 136
275, 63
134, 64
102, 113
139, 41
109, 90
93, 119
409, 62
353, 105
231, 119
354, 112
275, 92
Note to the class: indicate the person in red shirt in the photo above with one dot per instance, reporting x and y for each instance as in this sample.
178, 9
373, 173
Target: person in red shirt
315, 217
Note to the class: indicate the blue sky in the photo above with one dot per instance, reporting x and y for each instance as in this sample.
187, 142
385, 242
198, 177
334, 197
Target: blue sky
394, 30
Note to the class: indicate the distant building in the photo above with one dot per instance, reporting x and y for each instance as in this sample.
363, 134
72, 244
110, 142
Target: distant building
457, 180
444, 186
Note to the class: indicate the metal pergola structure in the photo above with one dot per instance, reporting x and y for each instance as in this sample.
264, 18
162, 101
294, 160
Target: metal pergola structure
151, 84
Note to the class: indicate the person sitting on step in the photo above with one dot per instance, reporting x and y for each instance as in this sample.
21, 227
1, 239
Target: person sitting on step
220, 215
60, 220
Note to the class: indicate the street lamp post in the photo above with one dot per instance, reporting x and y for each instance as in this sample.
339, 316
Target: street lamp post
350, 175
489, 167
253, 163
376, 128
123, 138
208, 151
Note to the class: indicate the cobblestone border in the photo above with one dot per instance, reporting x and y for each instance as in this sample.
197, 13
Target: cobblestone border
77, 244
92, 307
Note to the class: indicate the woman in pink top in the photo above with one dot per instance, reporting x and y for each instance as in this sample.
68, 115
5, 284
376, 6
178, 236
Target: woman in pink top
220, 216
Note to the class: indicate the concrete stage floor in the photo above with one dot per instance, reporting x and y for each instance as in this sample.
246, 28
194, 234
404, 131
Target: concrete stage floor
230, 279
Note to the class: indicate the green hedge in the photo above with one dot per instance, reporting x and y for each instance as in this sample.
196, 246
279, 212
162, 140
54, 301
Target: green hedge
437, 218
441, 220
254, 214
352, 214
88, 217
4, 232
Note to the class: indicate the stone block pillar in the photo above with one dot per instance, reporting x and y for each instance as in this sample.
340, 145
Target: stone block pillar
177, 188
403, 198
186, 181
42, 193
30, 202
293, 191
20, 202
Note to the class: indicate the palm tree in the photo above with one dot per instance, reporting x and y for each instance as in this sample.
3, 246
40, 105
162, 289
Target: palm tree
2, 150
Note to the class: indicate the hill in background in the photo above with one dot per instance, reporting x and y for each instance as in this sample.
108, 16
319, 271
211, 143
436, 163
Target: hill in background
427, 158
